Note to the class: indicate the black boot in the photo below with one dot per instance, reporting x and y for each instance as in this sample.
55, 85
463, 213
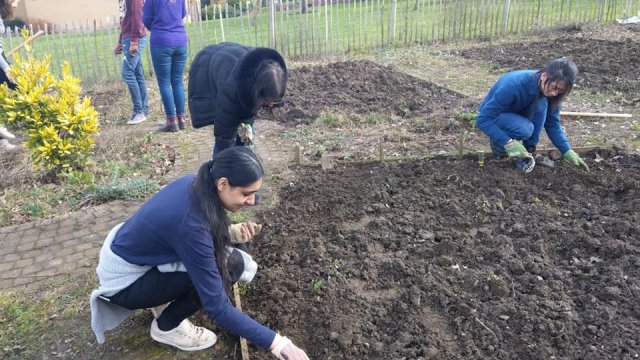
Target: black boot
182, 122
170, 126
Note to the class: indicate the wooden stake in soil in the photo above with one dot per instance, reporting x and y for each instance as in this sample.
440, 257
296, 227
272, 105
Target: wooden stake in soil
328, 161
380, 150
297, 156
244, 348
461, 145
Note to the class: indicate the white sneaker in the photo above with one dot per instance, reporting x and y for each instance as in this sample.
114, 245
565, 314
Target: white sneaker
157, 310
136, 119
185, 336
4, 133
6, 145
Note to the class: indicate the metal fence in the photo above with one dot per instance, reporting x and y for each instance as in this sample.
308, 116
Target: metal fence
303, 29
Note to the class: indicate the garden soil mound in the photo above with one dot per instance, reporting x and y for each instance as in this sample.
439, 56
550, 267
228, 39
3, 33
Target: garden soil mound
443, 259
604, 65
361, 87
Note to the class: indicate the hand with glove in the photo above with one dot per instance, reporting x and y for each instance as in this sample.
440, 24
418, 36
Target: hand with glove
284, 349
245, 131
573, 157
515, 149
244, 232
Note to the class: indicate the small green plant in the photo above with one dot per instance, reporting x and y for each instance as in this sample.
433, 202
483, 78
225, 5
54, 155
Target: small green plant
33, 209
318, 284
467, 117
330, 120
298, 132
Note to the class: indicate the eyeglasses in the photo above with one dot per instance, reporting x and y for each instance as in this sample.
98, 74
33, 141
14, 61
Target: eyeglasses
273, 104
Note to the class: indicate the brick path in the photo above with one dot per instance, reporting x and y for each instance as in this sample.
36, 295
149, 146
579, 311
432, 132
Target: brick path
32, 253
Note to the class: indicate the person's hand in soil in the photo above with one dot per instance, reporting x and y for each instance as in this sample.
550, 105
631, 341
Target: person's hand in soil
284, 349
515, 149
573, 157
244, 232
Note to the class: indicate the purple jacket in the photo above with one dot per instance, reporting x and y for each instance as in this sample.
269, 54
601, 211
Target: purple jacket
164, 19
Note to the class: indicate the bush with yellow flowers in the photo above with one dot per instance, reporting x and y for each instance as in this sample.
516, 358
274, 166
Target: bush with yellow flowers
60, 124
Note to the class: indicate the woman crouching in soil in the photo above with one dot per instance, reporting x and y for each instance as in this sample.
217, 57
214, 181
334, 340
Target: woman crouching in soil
175, 256
521, 103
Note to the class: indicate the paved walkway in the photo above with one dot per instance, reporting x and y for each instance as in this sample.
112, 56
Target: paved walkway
32, 253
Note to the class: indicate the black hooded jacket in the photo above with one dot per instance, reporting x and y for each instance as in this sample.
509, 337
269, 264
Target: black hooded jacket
222, 86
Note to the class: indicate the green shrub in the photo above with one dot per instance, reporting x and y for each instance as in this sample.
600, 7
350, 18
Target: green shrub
59, 123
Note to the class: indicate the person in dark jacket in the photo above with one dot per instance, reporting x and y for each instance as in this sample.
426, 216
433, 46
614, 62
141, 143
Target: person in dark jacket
174, 255
228, 84
523, 102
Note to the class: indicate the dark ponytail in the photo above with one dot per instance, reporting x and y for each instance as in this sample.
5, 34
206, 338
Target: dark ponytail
241, 167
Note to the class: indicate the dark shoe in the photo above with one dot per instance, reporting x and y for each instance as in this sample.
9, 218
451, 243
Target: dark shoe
170, 126
182, 122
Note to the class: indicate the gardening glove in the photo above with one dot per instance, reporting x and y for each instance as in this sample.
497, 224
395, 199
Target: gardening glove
243, 232
118, 49
133, 48
246, 134
573, 157
284, 349
516, 149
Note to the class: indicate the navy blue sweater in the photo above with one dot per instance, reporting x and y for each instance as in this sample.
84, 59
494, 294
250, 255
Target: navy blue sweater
169, 228
514, 92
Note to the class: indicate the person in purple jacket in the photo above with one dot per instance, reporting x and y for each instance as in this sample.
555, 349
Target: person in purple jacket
523, 102
169, 56
176, 251
131, 43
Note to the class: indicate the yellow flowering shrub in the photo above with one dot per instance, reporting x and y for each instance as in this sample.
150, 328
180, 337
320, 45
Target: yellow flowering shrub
59, 123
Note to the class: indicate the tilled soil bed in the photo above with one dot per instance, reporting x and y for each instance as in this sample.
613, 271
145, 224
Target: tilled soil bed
443, 259
604, 65
362, 87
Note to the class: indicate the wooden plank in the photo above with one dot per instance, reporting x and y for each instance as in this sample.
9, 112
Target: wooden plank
589, 114
244, 348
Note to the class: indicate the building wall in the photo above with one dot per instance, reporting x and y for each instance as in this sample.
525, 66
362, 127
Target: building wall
68, 11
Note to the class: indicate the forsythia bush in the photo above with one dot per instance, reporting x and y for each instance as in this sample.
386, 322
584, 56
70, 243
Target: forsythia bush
59, 123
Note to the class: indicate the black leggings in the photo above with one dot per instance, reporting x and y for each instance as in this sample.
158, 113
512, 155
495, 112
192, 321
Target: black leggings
4, 79
156, 288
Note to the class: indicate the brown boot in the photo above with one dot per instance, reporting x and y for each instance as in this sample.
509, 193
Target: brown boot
182, 122
170, 126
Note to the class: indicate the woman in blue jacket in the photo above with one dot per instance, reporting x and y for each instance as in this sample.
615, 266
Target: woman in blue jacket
176, 250
523, 102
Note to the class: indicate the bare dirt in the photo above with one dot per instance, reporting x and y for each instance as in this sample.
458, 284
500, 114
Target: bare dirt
444, 259
363, 87
604, 65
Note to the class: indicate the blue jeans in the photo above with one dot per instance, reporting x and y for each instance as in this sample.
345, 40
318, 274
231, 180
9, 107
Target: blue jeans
133, 75
526, 126
169, 63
